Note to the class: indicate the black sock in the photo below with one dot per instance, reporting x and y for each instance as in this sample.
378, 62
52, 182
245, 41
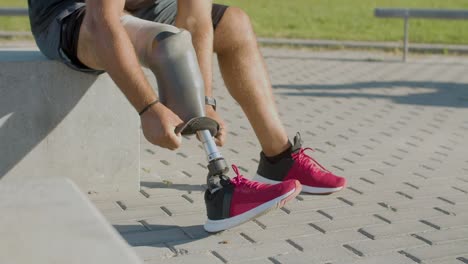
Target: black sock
282, 155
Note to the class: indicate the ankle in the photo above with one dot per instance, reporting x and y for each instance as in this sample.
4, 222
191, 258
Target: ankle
281, 153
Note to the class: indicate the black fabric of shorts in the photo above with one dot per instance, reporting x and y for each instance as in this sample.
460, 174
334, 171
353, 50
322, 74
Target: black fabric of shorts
217, 12
69, 38
71, 30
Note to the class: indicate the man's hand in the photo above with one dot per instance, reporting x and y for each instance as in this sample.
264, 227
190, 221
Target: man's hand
220, 138
159, 124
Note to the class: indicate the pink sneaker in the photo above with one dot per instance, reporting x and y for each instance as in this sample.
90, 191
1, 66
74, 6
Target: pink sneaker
241, 200
300, 166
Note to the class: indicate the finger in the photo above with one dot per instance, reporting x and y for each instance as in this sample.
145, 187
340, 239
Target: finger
175, 141
178, 129
217, 142
177, 122
220, 137
164, 143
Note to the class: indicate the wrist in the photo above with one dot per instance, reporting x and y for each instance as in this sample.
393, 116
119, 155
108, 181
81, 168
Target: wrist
148, 106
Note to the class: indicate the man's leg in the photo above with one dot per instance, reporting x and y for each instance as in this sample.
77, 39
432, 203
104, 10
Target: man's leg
247, 80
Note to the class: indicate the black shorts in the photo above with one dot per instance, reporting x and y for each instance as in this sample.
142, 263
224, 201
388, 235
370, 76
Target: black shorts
162, 11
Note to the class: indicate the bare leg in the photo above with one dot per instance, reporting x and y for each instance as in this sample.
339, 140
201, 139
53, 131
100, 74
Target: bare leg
245, 75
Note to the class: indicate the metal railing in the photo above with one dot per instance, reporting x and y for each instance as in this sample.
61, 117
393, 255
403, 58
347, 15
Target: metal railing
7, 11
407, 13
13, 11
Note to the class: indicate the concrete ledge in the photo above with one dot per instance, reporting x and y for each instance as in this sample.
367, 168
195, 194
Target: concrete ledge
55, 121
51, 221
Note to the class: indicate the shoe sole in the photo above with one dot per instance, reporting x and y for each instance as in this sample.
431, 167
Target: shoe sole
305, 188
214, 226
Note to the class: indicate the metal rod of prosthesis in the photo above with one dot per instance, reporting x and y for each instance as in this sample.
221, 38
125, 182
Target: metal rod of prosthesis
209, 145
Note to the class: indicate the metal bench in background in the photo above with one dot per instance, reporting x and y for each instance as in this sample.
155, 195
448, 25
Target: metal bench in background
13, 11
407, 13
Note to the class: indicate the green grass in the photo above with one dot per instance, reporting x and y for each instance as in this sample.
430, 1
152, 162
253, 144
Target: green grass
329, 19
350, 20
14, 23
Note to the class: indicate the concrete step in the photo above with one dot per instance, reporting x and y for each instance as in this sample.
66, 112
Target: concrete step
50, 221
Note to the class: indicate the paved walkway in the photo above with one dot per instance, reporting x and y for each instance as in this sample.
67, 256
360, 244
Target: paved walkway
397, 131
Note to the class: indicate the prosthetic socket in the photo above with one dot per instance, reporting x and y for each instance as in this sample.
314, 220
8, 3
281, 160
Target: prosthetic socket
168, 52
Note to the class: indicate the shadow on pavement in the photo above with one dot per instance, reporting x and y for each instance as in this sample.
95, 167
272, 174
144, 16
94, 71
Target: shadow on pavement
306, 58
450, 94
374, 58
161, 235
176, 186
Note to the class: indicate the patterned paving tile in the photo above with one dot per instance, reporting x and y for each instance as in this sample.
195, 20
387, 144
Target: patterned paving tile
397, 131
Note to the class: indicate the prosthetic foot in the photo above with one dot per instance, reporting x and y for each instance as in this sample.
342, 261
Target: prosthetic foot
169, 54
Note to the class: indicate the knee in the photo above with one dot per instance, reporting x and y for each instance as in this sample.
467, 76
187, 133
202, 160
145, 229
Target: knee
170, 44
238, 20
234, 30
146, 35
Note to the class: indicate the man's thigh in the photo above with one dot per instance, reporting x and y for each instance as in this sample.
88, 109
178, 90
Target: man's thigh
165, 11
57, 30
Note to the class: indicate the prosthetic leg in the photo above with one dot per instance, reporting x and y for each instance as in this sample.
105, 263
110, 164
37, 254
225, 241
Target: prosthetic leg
181, 89
168, 52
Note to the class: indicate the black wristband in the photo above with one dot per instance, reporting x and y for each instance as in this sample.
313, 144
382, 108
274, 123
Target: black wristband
148, 107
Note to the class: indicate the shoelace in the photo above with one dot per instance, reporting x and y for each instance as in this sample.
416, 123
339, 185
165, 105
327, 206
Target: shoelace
303, 158
239, 180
